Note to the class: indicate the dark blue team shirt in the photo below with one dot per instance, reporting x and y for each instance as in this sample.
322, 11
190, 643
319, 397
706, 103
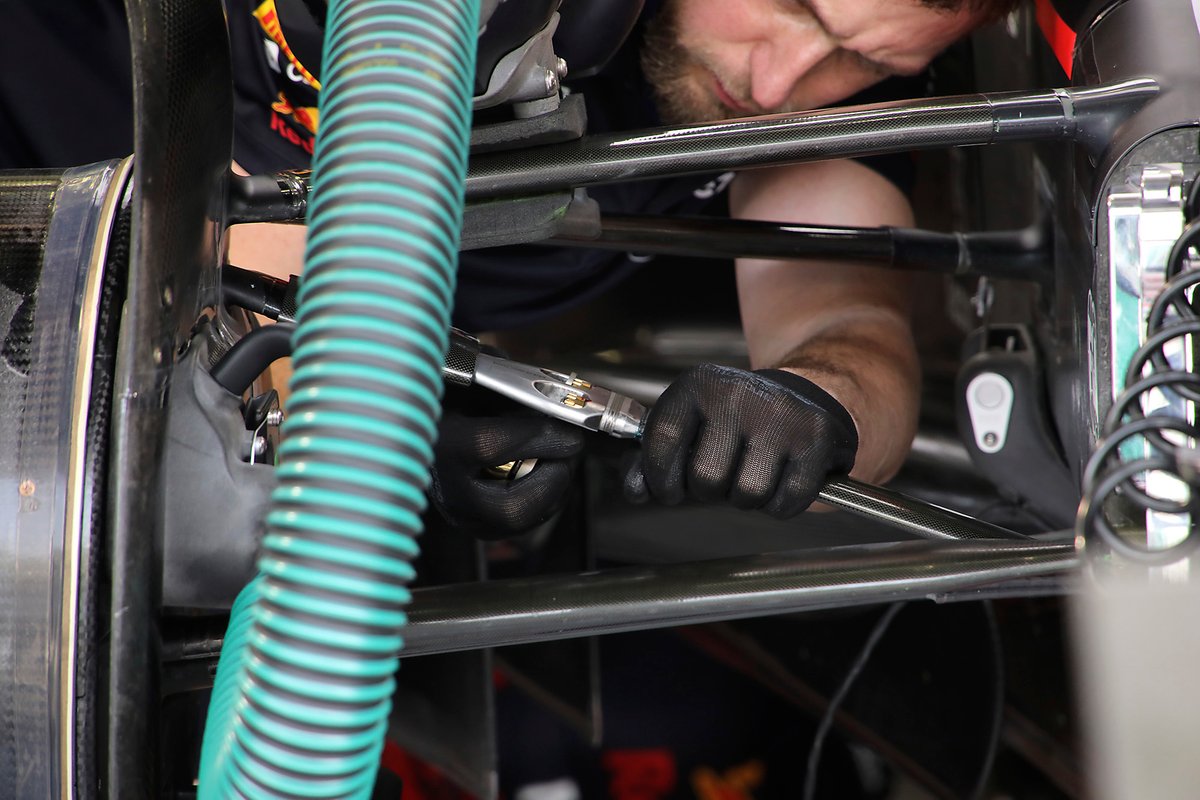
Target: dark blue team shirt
76, 108
510, 287
513, 286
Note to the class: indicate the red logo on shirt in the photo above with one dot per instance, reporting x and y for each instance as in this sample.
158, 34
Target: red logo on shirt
280, 126
640, 774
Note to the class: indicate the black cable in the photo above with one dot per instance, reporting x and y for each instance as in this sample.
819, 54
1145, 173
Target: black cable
251, 356
823, 727
993, 745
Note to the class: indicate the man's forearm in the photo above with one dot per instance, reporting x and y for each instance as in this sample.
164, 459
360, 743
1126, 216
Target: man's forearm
868, 362
845, 327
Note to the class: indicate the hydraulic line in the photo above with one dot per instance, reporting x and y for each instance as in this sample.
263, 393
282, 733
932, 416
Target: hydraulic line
251, 356
303, 694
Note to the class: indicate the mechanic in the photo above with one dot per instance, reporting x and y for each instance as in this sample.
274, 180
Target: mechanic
834, 385
835, 379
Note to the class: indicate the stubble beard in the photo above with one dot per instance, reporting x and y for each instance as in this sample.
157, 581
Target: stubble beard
676, 75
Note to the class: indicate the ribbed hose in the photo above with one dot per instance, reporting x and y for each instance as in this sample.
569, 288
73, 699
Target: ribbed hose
303, 689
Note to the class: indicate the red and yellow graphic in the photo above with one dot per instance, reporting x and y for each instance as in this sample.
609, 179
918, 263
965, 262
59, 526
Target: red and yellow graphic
640, 774
268, 18
305, 115
736, 783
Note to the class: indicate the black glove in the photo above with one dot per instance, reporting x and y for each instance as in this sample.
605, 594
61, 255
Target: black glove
765, 439
490, 507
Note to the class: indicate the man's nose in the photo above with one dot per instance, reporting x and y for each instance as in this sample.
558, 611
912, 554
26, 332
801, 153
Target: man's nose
777, 65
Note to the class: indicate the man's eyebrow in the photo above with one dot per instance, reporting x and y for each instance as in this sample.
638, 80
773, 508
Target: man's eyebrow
808, 6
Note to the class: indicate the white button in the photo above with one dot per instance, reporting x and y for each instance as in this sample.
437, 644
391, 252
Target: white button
990, 404
989, 393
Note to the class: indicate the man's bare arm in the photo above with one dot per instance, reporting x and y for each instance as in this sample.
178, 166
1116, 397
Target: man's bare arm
273, 248
847, 328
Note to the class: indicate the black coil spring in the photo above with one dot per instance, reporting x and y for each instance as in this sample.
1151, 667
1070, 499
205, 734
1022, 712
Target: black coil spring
1107, 473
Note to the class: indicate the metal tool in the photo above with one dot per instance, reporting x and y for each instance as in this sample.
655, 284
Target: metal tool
569, 398
565, 397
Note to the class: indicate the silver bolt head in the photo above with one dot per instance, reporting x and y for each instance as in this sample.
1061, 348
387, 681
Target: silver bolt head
560, 67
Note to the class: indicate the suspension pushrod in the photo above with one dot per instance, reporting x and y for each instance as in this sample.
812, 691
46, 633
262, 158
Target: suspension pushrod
909, 514
1019, 254
1086, 115
1075, 114
523, 610
469, 616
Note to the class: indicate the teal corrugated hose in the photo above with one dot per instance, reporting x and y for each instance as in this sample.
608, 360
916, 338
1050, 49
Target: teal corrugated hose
305, 679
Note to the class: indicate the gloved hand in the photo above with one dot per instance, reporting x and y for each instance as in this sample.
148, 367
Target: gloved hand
765, 439
489, 507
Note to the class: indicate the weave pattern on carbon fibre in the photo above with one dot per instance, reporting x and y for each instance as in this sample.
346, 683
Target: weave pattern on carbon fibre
758, 440
26, 203
470, 442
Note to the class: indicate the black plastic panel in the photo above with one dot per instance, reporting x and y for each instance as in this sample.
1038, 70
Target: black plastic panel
183, 143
